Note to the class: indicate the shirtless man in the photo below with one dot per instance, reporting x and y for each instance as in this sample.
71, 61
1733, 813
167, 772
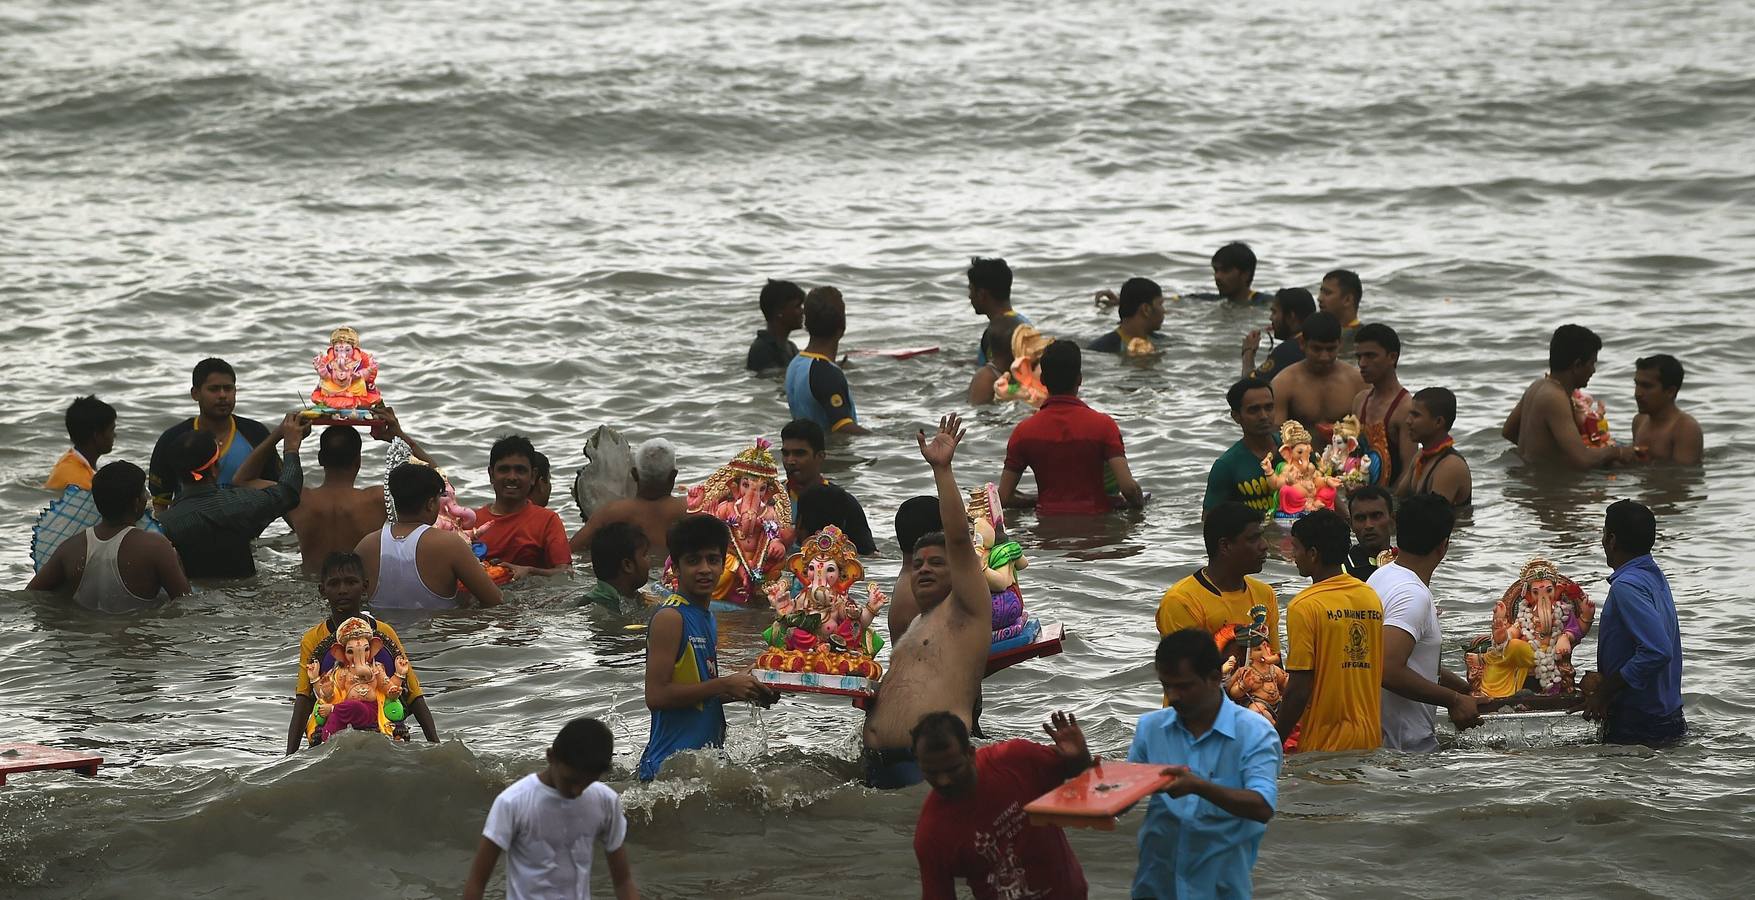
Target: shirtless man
653, 507
1318, 390
1662, 431
1438, 468
113, 567
411, 565
915, 518
937, 665
1385, 403
1541, 424
333, 516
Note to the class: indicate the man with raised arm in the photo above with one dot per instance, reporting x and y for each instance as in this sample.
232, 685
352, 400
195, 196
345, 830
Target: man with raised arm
937, 665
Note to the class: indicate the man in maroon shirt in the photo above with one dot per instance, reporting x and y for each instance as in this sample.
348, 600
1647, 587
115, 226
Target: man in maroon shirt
973, 825
1069, 446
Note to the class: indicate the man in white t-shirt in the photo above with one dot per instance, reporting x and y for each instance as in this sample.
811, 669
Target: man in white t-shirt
1413, 681
546, 824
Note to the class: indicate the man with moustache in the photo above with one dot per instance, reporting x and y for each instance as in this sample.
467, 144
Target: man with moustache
526, 538
1236, 474
1662, 432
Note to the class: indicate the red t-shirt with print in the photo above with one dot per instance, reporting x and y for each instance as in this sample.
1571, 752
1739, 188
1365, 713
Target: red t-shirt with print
986, 837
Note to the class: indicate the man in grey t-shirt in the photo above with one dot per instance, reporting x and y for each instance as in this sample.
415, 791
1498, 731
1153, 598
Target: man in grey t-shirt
1413, 681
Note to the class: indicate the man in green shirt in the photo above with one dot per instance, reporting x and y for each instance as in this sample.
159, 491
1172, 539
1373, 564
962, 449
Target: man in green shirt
1237, 473
620, 558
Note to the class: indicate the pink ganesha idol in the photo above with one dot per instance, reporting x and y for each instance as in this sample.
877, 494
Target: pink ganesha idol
747, 495
347, 377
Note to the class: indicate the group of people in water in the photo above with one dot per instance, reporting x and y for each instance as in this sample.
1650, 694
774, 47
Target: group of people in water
1359, 667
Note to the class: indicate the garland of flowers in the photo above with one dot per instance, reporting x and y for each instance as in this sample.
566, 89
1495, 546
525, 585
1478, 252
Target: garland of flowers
1547, 669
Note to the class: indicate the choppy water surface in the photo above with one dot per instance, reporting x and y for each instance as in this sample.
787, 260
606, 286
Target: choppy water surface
547, 216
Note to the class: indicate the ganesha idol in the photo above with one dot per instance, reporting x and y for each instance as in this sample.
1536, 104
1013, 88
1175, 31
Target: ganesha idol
1003, 561
1592, 421
1354, 462
820, 628
357, 677
347, 382
1257, 681
746, 494
1023, 381
1536, 625
1301, 485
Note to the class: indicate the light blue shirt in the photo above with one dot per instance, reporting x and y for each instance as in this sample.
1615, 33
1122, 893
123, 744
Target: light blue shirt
1190, 848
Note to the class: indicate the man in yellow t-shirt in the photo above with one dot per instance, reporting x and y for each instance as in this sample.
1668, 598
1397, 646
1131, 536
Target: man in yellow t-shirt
1222, 593
342, 582
1334, 645
91, 426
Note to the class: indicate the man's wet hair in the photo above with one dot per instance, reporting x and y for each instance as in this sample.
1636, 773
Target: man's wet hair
806, 430
192, 451
1325, 532
1571, 345
341, 561
1380, 334
825, 313
915, 518
776, 294
1226, 522
1323, 328
585, 745
929, 539
1235, 255
1668, 367
1440, 402
87, 417
1137, 293
512, 445
1295, 302
1196, 646
1234, 396
614, 544
212, 365
940, 730
992, 275
339, 448
1060, 367
1348, 281
1424, 521
698, 533
114, 488
412, 485
1633, 525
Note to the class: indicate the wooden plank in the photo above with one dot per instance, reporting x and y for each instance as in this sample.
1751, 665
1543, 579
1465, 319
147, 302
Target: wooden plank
1047, 645
20, 758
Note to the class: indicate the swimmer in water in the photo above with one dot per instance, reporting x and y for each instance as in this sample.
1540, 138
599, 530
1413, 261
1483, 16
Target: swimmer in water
1318, 390
1339, 295
1234, 274
783, 309
1286, 317
1541, 424
990, 293
1382, 409
1662, 432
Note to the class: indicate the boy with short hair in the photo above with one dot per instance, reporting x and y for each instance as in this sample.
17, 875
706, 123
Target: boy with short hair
684, 689
545, 818
91, 426
620, 558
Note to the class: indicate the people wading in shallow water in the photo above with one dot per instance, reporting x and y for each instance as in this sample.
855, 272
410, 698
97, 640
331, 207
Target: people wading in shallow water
1662, 432
1542, 424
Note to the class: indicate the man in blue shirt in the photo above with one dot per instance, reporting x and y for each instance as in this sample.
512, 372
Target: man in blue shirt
816, 389
1640, 640
1201, 835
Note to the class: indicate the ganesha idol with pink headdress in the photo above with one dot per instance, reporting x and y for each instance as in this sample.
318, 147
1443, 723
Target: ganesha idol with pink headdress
347, 383
746, 494
357, 678
821, 628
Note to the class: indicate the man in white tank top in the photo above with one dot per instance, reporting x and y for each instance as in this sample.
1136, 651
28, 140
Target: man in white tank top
411, 565
113, 567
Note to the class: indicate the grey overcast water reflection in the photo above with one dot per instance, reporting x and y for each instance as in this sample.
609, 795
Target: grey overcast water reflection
547, 216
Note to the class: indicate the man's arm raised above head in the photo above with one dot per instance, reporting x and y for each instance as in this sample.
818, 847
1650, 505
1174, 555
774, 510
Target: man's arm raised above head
968, 583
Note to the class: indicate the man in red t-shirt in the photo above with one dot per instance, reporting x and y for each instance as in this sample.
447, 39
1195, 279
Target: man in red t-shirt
1069, 446
973, 825
528, 539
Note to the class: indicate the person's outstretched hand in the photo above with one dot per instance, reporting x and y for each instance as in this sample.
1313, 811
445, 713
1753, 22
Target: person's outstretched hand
1069, 740
939, 451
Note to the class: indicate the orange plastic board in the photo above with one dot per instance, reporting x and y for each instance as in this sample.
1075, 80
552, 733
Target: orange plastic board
1046, 645
17, 758
1094, 797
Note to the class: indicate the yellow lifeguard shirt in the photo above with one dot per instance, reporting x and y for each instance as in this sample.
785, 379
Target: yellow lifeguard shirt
1195, 602
1334, 630
72, 468
308, 645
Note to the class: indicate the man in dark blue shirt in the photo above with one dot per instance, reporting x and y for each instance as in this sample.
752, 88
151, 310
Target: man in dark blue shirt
1640, 650
1286, 320
1141, 303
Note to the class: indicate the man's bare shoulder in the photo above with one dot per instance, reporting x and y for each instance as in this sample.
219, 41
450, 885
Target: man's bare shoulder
1291, 375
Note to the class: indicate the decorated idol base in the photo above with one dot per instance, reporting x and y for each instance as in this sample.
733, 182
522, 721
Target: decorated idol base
365, 417
1044, 640
854, 686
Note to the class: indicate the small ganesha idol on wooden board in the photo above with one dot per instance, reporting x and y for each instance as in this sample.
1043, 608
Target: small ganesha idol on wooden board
347, 383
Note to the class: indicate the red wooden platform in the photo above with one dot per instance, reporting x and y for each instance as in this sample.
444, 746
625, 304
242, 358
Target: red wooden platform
1048, 644
19, 758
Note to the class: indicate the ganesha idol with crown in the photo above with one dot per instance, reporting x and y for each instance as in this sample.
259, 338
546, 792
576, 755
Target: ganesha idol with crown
1302, 482
746, 494
820, 629
1002, 560
1537, 624
347, 384
357, 679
